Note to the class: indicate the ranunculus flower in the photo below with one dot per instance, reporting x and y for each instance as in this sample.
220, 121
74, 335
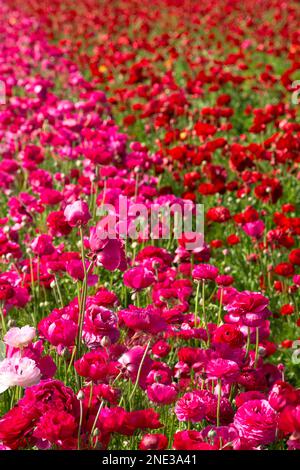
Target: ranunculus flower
109, 253
191, 440
223, 436
283, 394
55, 425
60, 332
42, 245
125, 422
296, 279
131, 361
49, 394
19, 337
251, 308
256, 421
147, 319
75, 269
190, 407
18, 371
15, 426
77, 213
99, 322
224, 280
138, 278
161, 348
289, 420
96, 365
222, 369
205, 272
254, 229
161, 394
153, 442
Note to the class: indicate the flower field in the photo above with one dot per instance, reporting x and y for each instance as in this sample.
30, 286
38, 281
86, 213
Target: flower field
150, 225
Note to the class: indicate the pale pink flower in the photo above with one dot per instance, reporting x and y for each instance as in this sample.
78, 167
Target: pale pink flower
20, 337
18, 371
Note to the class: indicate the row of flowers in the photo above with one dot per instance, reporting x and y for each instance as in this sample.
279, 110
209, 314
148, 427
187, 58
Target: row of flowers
111, 343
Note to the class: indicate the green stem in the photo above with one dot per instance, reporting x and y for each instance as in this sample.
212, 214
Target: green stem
204, 313
256, 347
196, 304
219, 402
220, 307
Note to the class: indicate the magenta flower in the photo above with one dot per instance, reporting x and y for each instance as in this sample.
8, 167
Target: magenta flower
202, 272
138, 278
42, 245
161, 394
109, 253
147, 319
296, 279
254, 229
99, 322
60, 332
191, 407
256, 422
75, 270
77, 213
251, 308
132, 360
222, 369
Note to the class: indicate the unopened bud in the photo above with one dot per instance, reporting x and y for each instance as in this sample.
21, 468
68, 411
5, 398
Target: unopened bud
211, 434
105, 342
11, 323
80, 395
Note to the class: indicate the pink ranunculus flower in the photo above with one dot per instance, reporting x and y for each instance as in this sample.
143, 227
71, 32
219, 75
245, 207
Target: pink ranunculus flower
77, 213
18, 371
99, 322
250, 308
191, 407
109, 253
75, 269
138, 278
42, 245
60, 331
161, 394
222, 369
19, 337
256, 422
254, 229
203, 272
131, 361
